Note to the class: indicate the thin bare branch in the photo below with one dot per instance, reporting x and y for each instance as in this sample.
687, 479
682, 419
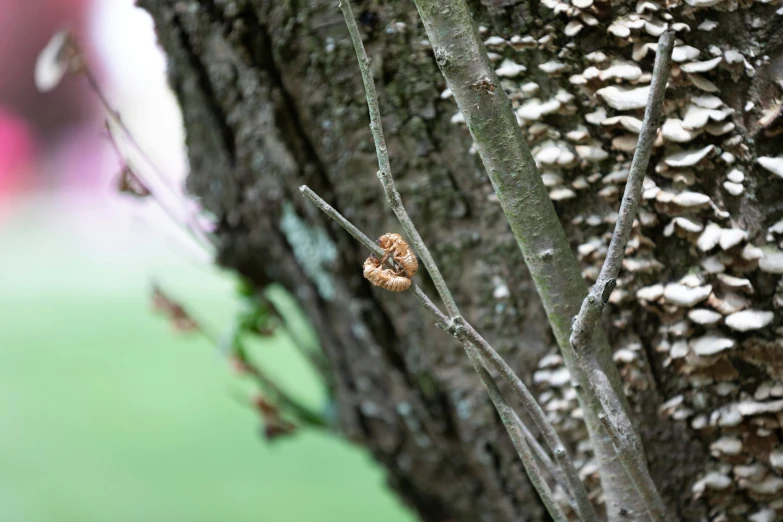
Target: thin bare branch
468, 336
505, 412
509, 420
395, 202
590, 312
544, 457
299, 410
612, 415
115, 119
340, 219
202, 240
384, 172
458, 324
626, 442
360, 236
585, 510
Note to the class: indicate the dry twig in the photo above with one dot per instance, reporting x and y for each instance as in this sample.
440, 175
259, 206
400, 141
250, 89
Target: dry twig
474, 345
613, 416
384, 172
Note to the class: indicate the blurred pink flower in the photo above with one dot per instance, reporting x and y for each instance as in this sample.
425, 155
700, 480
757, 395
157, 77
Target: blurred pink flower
34, 127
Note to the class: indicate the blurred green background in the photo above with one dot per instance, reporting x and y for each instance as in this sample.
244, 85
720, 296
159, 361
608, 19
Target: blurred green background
106, 414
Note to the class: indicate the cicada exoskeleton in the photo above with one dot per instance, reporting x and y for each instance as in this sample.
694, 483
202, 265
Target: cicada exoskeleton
386, 278
402, 254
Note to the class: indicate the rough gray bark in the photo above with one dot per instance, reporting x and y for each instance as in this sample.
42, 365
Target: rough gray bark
272, 99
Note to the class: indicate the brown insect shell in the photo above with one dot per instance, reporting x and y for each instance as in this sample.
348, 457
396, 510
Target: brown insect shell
384, 277
400, 251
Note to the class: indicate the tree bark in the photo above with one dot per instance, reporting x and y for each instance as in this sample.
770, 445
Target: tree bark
272, 99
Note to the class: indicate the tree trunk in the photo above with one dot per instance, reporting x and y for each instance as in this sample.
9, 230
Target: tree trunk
272, 99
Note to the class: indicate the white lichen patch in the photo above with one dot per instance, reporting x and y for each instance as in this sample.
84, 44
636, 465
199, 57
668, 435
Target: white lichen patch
710, 238
772, 261
735, 189
704, 317
711, 481
722, 309
729, 445
553, 67
700, 82
535, 109
673, 130
650, 293
561, 193
313, 249
685, 53
732, 237
690, 199
628, 123
628, 71
591, 152
700, 67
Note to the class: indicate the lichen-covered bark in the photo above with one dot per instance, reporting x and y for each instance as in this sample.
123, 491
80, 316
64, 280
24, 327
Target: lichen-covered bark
272, 99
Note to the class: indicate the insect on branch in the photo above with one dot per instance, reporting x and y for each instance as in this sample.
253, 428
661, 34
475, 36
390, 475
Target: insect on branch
480, 352
384, 166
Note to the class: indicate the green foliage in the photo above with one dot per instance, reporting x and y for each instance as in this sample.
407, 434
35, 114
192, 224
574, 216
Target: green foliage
107, 415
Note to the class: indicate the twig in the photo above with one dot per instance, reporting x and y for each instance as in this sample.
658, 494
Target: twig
203, 241
543, 456
384, 172
509, 419
626, 442
590, 312
237, 349
114, 117
341, 220
360, 236
297, 408
457, 323
612, 415
368, 243
468, 336
583, 506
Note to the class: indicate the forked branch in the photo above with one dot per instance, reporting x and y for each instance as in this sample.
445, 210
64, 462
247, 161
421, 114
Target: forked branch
456, 325
511, 168
612, 415
590, 312
474, 345
510, 421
